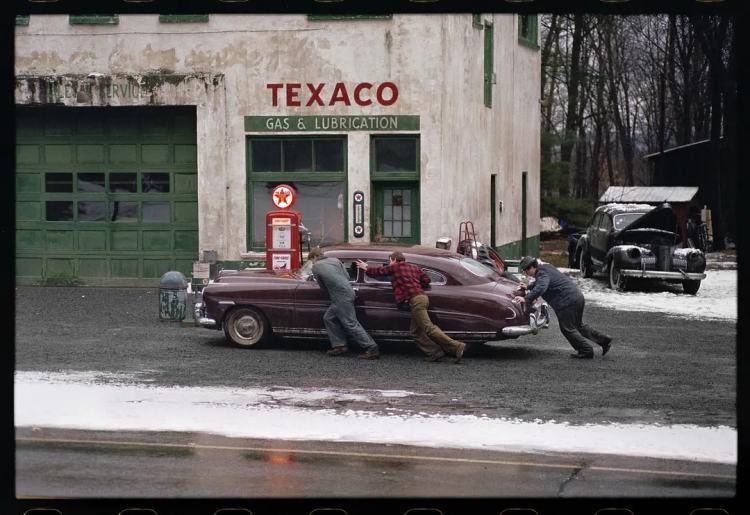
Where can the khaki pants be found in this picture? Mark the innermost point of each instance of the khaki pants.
(430, 338)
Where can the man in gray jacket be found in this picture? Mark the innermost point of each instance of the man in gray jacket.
(340, 319)
(562, 293)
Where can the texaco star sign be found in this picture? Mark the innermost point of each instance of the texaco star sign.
(283, 196)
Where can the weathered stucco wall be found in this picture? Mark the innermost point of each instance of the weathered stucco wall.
(223, 66)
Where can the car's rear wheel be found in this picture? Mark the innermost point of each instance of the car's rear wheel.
(691, 287)
(616, 279)
(584, 264)
(246, 327)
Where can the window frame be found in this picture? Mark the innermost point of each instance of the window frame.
(93, 19)
(405, 175)
(531, 40)
(183, 18)
(489, 62)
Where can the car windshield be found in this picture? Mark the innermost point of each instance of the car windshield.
(623, 220)
(477, 268)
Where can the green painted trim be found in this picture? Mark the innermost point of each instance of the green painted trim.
(93, 19)
(513, 250)
(327, 123)
(493, 210)
(348, 17)
(476, 21)
(532, 40)
(22, 20)
(489, 62)
(524, 205)
(183, 18)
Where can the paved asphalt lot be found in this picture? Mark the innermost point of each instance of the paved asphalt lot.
(660, 370)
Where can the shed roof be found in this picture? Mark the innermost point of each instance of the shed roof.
(648, 194)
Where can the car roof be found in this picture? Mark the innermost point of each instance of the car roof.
(417, 250)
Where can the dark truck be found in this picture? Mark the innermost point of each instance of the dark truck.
(636, 242)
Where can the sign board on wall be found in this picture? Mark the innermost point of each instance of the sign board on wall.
(359, 214)
(281, 262)
(331, 123)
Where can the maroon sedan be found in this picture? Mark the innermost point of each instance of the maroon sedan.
(468, 300)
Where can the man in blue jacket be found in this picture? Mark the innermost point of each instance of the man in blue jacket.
(562, 293)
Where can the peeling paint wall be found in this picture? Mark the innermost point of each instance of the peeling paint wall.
(222, 67)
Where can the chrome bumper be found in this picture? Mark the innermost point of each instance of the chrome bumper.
(200, 319)
(539, 319)
(658, 274)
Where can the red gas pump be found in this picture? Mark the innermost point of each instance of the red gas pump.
(283, 246)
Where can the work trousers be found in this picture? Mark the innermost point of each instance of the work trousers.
(340, 320)
(429, 337)
(579, 334)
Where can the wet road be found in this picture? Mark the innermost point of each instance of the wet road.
(147, 464)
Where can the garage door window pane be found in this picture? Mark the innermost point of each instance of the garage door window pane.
(321, 205)
(60, 211)
(92, 211)
(396, 155)
(329, 155)
(156, 212)
(124, 211)
(91, 182)
(155, 182)
(266, 155)
(123, 182)
(298, 156)
(58, 183)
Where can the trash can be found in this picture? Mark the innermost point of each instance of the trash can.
(172, 296)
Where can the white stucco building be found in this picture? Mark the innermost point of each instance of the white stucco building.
(145, 139)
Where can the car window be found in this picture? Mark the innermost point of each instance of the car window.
(351, 268)
(625, 219)
(378, 278)
(478, 269)
(436, 278)
(605, 224)
(595, 221)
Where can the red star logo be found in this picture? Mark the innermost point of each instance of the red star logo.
(281, 197)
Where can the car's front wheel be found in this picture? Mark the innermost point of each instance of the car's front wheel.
(246, 327)
(691, 287)
(616, 279)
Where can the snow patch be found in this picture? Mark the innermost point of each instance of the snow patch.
(56, 400)
(716, 299)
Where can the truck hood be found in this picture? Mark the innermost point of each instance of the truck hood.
(661, 219)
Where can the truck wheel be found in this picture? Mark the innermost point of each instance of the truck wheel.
(584, 264)
(246, 327)
(691, 287)
(616, 280)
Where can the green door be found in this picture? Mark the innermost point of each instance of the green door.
(105, 195)
(395, 212)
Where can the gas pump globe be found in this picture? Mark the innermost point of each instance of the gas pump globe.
(283, 242)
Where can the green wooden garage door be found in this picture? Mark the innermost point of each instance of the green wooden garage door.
(105, 195)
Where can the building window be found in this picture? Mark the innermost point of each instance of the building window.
(489, 63)
(395, 154)
(528, 30)
(93, 19)
(348, 17)
(476, 21)
(315, 167)
(183, 18)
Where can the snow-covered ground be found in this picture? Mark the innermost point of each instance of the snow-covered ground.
(716, 299)
(89, 400)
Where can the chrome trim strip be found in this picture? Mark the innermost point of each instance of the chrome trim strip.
(227, 302)
(656, 274)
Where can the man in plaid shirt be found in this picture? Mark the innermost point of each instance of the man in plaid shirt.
(408, 281)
